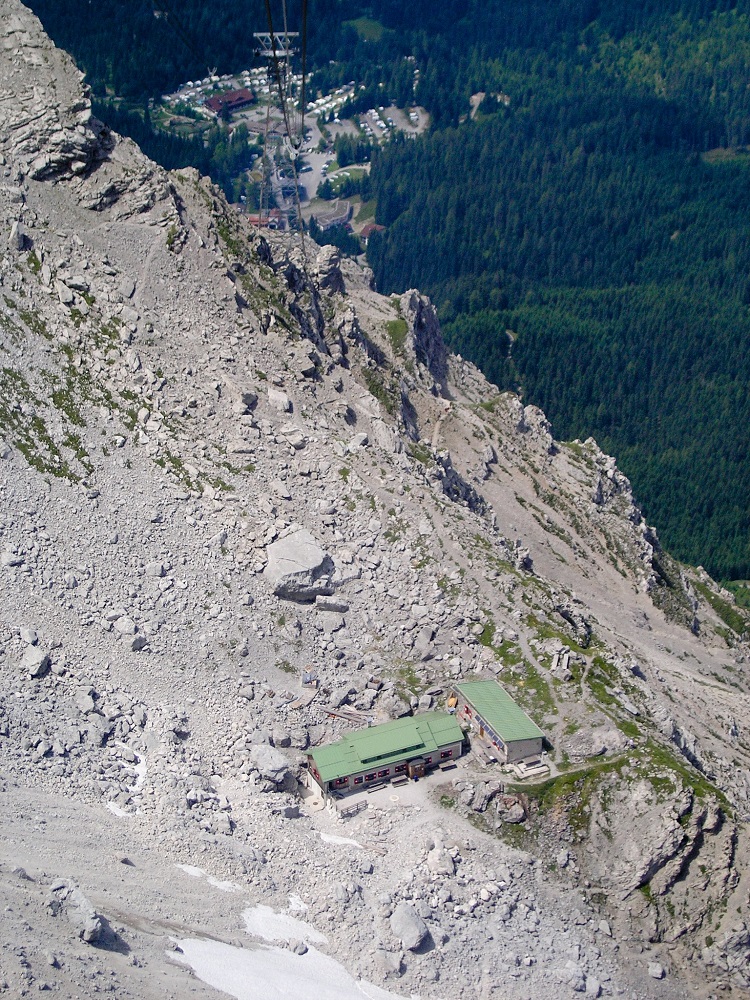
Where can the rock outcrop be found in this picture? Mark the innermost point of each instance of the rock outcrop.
(424, 340)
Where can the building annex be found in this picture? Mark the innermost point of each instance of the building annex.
(491, 715)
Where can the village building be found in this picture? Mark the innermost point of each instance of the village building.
(408, 747)
(494, 718)
(273, 218)
(231, 101)
(338, 215)
(370, 228)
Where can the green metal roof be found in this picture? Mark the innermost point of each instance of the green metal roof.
(379, 746)
(499, 711)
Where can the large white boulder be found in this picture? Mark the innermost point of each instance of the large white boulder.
(408, 927)
(269, 763)
(298, 568)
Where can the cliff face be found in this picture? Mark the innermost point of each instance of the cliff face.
(225, 460)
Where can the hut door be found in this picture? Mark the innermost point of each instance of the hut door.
(417, 768)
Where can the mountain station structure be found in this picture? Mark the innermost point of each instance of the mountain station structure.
(408, 747)
(493, 717)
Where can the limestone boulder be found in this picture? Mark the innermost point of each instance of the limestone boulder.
(35, 661)
(298, 568)
(408, 927)
(270, 764)
(440, 862)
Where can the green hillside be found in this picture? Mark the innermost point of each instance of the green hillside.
(584, 218)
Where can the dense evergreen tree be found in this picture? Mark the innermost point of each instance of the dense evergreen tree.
(586, 219)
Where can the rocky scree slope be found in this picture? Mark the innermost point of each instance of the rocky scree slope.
(225, 460)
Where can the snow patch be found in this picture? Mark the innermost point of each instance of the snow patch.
(267, 924)
(225, 886)
(266, 973)
(331, 838)
(191, 870)
(117, 810)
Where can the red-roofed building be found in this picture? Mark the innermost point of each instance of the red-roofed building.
(272, 219)
(371, 227)
(233, 100)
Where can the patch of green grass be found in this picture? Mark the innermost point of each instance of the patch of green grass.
(669, 595)
(515, 835)
(451, 589)
(107, 334)
(367, 210)
(229, 235)
(397, 330)
(532, 691)
(600, 677)
(546, 631)
(740, 590)
(729, 614)
(368, 29)
(63, 400)
(508, 652)
(220, 484)
(28, 432)
(377, 387)
(629, 727)
(395, 531)
(74, 442)
(420, 453)
(35, 265)
(487, 635)
(12, 329)
(408, 681)
(35, 323)
(579, 451)
(660, 756)
(177, 466)
(572, 792)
